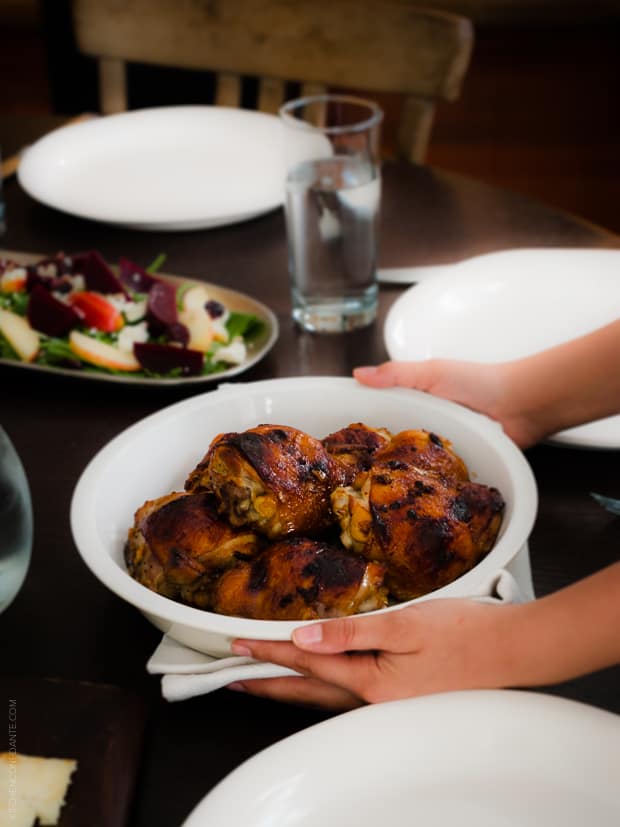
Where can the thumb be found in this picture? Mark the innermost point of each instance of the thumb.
(391, 631)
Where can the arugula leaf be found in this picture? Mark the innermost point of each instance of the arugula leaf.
(16, 302)
(152, 374)
(6, 349)
(211, 366)
(244, 324)
(54, 351)
(181, 291)
(157, 263)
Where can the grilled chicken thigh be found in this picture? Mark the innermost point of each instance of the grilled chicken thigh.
(416, 512)
(424, 450)
(272, 478)
(178, 545)
(300, 579)
(355, 445)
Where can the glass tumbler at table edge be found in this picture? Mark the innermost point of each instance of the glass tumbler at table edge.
(333, 194)
(15, 522)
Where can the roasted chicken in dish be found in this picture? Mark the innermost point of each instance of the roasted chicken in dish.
(274, 479)
(178, 545)
(255, 532)
(300, 579)
(416, 512)
(355, 445)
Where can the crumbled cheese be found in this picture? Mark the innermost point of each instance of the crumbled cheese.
(117, 300)
(234, 353)
(12, 276)
(76, 285)
(14, 273)
(133, 311)
(131, 334)
(77, 281)
(218, 326)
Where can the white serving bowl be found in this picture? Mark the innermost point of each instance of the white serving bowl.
(155, 456)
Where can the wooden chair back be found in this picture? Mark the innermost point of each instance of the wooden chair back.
(371, 46)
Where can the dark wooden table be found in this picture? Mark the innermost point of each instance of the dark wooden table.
(65, 625)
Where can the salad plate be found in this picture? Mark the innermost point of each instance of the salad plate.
(480, 758)
(507, 305)
(164, 168)
(254, 317)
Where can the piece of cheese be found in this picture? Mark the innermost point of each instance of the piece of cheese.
(32, 787)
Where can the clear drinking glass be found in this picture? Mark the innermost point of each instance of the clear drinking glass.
(333, 194)
(15, 522)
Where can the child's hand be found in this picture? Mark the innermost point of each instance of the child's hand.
(433, 646)
(485, 388)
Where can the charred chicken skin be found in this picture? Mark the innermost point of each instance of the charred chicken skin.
(178, 545)
(274, 479)
(424, 450)
(301, 579)
(426, 522)
(354, 447)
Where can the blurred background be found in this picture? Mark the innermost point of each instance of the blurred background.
(538, 114)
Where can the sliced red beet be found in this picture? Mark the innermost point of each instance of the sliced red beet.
(48, 315)
(164, 358)
(178, 332)
(161, 307)
(135, 277)
(97, 275)
(46, 271)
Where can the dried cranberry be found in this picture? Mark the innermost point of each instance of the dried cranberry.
(214, 309)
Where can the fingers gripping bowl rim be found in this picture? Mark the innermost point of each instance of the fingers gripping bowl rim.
(154, 456)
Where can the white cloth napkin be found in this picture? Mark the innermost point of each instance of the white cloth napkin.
(187, 673)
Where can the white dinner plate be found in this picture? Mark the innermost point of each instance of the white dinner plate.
(168, 168)
(476, 759)
(510, 304)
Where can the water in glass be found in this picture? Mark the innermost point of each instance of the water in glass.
(332, 212)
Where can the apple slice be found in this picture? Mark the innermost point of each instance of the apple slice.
(22, 338)
(195, 297)
(198, 324)
(101, 353)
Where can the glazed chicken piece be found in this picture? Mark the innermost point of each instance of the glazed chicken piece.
(427, 526)
(424, 450)
(355, 445)
(178, 545)
(272, 478)
(301, 579)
